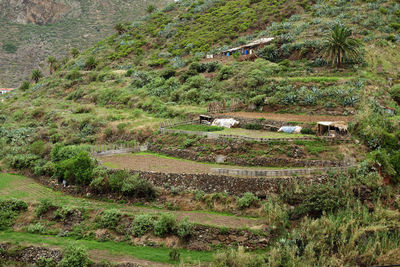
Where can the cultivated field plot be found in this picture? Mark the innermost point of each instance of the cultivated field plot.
(160, 163)
(288, 117)
(27, 189)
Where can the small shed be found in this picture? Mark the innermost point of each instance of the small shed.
(205, 119)
(332, 128)
(248, 49)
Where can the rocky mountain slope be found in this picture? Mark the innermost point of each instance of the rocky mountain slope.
(32, 30)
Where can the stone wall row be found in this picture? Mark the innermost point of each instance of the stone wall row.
(211, 183)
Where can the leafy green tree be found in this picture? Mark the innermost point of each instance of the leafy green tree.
(340, 45)
(36, 75)
(75, 52)
(52, 64)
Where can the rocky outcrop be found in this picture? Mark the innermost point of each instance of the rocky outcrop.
(39, 12)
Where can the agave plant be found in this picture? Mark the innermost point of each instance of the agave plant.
(339, 45)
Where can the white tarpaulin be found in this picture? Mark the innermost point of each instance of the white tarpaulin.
(227, 123)
(290, 129)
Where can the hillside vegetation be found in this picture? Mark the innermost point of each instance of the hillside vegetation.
(155, 69)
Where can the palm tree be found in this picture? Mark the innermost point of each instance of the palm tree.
(36, 75)
(52, 64)
(339, 45)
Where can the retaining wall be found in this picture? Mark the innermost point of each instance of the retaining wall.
(211, 183)
(274, 173)
(256, 161)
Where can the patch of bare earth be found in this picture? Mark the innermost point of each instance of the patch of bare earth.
(154, 163)
(100, 255)
(288, 117)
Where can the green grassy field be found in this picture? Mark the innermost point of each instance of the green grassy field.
(107, 247)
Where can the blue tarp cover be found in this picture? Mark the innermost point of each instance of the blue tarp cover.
(287, 129)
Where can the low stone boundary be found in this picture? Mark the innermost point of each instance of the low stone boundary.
(211, 183)
(107, 150)
(256, 161)
(274, 173)
(214, 135)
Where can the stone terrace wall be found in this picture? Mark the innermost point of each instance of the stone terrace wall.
(274, 173)
(210, 183)
(256, 161)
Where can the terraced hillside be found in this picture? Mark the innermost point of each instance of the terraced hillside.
(276, 199)
(34, 30)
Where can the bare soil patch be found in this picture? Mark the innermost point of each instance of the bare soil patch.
(288, 117)
(154, 163)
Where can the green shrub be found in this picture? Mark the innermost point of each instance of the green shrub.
(395, 93)
(9, 210)
(61, 152)
(44, 206)
(25, 86)
(238, 258)
(174, 255)
(10, 47)
(185, 229)
(248, 199)
(21, 161)
(45, 262)
(38, 148)
(75, 255)
(307, 131)
(131, 185)
(253, 126)
(90, 63)
(225, 73)
(165, 225)
(110, 218)
(62, 214)
(142, 224)
(77, 170)
(315, 199)
(73, 75)
(36, 228)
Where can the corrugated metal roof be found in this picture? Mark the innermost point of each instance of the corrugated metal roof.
(253, 43)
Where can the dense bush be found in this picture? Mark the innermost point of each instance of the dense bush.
(248, 199)
(76, 170)
(36, 228)
(165, 225)
(131, 185)
(75, 255)
(44, 206)
(185, 229)
(142, 224)
(9, 210)
(61, 152)
(109, 218)
(238, 258)
(395, 93)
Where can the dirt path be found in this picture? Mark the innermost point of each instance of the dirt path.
(24, 188)
(288, 117)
